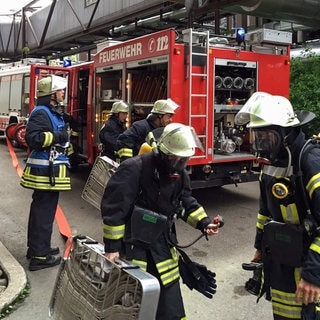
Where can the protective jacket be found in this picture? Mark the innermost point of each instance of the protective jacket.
(109, 134)
(46, 166)
(143, 180)
(291, 209)
(130, 141)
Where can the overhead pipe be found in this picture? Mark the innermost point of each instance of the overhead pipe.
(305, 12)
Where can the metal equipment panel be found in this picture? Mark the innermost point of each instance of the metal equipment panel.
(98, 178)
(90, 287)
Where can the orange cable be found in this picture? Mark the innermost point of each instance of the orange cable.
(60, 217)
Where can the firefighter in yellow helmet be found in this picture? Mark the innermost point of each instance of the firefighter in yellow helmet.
(114, 126)
(129, 142)
(157, 184)
(46, 170)
(287, 231)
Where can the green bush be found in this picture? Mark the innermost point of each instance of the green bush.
(305, 86)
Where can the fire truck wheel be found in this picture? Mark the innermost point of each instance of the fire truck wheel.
(19, 134)
(10, 133)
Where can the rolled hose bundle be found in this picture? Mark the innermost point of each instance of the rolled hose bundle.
(249, 83)
(228, 82)
(218, 81)
(238, 82)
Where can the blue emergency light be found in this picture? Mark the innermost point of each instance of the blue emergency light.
(67, 63)
(240, 35)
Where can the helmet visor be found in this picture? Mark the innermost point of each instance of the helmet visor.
(266, 143)
(176, 164)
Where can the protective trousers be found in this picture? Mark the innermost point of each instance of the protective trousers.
(170, 306)
(283, 283)
(41, 217)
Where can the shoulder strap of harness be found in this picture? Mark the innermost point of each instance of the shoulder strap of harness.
(55, 121)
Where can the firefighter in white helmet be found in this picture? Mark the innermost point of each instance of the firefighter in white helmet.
(287, 233)
(129, 142)
(113, 127)
(156, 184)
(46, 169)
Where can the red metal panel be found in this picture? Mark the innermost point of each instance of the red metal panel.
(156, 44)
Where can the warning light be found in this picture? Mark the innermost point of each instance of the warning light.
(240, 35)
(177, 51)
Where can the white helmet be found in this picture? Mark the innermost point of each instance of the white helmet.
(164, 106)
(51, 84)
(264, 109)
(119, 106)
(178, 140)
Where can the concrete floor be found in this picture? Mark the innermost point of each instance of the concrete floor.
(223, 253)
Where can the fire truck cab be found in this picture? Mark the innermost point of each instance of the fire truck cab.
(209, 78)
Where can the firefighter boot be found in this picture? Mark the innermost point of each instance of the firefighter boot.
(53, 251)
(38, 263)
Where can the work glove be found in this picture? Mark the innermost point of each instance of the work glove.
(61, 137)
(197, 276)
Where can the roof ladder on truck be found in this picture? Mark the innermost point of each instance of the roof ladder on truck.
(198, 37)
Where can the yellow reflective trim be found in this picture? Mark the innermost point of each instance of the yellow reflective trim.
(113, 232)
(48, 139)
(196, 216)
(44, 179)
(315, 246)
(70, 150)
(170, 276)
(284, 297)
(261, 220)
(62, 178)
(297, 275)
(125, 152)
(288, 312)
(313, 184)
(43, 183)
(290, 213)
(141, 264)
(283, 304)
(168, 263)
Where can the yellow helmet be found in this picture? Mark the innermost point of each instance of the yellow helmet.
(51, 84)
(119, 106)
(164, 106)
(264, 109)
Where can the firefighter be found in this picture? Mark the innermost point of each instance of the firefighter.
(114, 126)
(287, 238)
(130, 141)
(156, 185)
(46, 169)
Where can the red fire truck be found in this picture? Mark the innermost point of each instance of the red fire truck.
(18, 90)
(209, 77)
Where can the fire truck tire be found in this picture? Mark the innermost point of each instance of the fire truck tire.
(10, 133)
(20, 134)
